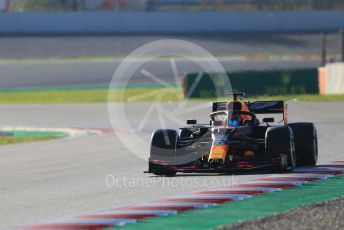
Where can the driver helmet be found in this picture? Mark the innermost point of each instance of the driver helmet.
(237, 119)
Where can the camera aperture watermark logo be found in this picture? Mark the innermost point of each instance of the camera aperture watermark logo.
(146, 91)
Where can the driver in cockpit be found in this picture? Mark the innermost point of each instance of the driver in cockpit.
(234, 116)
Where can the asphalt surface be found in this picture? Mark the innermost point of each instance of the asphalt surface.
(49, 180)
(122, 45)
(53, 179)
(325, 215)
(100, 72)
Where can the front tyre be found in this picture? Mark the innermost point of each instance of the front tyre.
(279, 141)
(163, 152)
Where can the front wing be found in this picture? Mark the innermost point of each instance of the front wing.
(197, 167)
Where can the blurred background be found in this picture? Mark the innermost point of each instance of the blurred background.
(170, 5)
(245, 35)
(58, 58)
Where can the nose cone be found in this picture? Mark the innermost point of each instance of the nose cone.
(218, 154)
(216, 163)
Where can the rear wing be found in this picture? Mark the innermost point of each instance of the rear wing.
(259, 107)
(266, 107)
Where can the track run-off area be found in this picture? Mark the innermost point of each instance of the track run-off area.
(58, 179)
(303, 188)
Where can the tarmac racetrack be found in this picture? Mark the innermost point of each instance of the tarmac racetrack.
(100, 72)
(43, 181)
(48, 180)
(245, 52)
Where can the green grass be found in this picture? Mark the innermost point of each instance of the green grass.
(20, 136)
(248, 209)
(121, 57)
(61, 59)
(13, 140)
(90, 96)
(126, 95)
(53, 96)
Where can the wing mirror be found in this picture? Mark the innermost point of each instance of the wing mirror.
(268, 119)
(191, 122)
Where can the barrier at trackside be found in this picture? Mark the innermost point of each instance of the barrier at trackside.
(273, 82)
(331, 79)
(168, 22)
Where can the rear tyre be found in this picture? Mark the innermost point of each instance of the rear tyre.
(279, 141)
(163, 152)
(306, 143)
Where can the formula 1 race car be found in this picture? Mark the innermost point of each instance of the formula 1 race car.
(235, 139)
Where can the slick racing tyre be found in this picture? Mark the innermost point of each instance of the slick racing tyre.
(163, 149)
(279, 141)
(306, 143)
